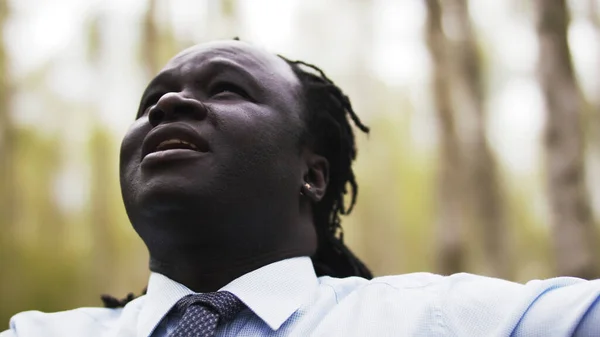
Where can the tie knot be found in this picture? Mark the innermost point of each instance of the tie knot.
(224, 303)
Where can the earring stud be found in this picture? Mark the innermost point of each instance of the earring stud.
(306, 188)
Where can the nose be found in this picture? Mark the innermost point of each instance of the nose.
(173, 106)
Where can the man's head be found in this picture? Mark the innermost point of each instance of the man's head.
(216, 166)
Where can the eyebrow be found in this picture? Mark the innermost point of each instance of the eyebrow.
(219, 64)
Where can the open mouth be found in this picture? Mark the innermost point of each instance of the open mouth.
(174, 143)
(174, 136)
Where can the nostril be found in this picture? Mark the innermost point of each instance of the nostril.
(173, 106)
(155, 116)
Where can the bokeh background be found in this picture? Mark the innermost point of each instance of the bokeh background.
(483, 155)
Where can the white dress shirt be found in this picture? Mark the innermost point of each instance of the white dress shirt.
(287, 299)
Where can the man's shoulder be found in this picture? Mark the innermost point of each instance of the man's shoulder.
(400, 281)
(75, 321)
(418, 284)
(403, 304)
(383, 285)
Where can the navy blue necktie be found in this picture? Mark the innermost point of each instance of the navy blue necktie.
(202, 313)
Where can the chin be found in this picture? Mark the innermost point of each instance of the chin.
(162, 213)
(172, 194)
(155, 195)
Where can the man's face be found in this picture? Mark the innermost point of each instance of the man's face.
(218, 126)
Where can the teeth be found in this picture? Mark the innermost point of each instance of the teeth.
(171, 142)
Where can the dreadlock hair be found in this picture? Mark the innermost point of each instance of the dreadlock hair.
(327, 111)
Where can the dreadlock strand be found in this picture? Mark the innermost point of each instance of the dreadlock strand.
(329, 110)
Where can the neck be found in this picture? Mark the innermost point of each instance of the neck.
(205, 260)
(202, 275)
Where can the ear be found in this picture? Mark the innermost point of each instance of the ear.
(316, 176)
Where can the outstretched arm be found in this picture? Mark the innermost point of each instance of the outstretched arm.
(564, 306)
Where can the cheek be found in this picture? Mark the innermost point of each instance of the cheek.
(260, 129)
(263, 149)
(131, 146)
(130, 158)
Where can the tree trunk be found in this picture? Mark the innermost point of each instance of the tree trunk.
(7, 142)
(101, 214)
(571, 216)
(591, 116)
(450, 231)
(150, 40)
(105, 261)
(486, 198)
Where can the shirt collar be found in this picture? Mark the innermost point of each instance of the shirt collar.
(273, 292)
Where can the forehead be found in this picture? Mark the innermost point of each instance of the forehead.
(256, 61)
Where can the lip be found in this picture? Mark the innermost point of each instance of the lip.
(176, 130)
(170, 156)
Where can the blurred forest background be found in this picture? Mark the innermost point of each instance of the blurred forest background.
(483, 155)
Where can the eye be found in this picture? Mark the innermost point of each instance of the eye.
(222, 89)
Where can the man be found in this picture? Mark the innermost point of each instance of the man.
(234, 175)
